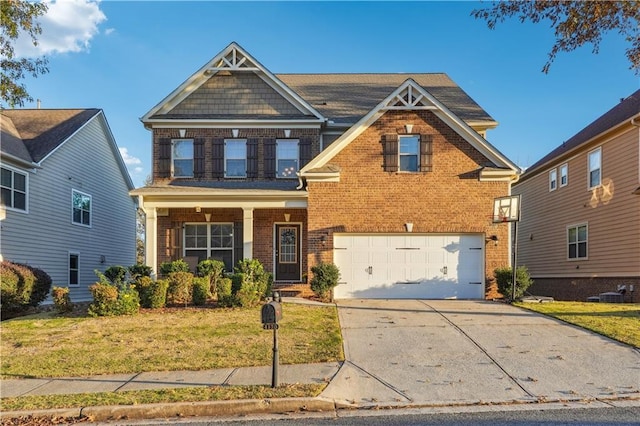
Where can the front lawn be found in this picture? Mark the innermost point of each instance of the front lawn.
(619, 321)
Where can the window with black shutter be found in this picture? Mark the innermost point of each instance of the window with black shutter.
(407, 153)
(252, 158)
(269, 158)
(164, 158)
(426, 153)
(198, 158)
(305, 151)
(390, 152)
(217, 160)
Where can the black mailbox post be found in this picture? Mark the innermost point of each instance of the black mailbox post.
(271, 314)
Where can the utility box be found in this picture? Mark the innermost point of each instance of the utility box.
(271, 314)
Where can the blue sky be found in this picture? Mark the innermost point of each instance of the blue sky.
(124, 57)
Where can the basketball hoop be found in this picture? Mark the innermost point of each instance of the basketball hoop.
(506, 209)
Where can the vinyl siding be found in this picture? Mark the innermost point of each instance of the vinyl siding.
(44, 237)
(611, 212)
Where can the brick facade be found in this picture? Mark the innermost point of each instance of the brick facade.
(578, 289)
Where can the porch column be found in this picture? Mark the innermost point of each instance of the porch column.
(247, 232)
(151, 239)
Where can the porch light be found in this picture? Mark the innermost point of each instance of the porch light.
(198, 209)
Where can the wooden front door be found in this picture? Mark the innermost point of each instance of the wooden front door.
(287, 248)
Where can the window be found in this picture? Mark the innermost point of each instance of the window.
(409, 153)
(553, 180)
(74, 268)
(210, 241)
(81, 210)
(595, 170)
(235, 154)
(564, 175)
(14, 189)
(577, 238)
(286, 158)
(182, 157)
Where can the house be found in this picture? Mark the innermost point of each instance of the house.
(579, 234)
(65, 207)
(389, 176)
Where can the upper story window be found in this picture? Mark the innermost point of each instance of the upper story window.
(564, 175)
(13, 192)
(287, 158)
(595, 168)
(235, 157)
(81, 208)
(409, 153)
(553, 180)
(577, 240)
(182, 157)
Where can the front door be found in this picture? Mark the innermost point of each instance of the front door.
(287, 251)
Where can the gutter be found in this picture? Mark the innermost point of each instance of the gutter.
(20, 161)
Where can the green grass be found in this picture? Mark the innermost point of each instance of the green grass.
(619, 321)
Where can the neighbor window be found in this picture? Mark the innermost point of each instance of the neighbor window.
(14, 189)
(182, 157)
(564, 175)
(287, 158)
(553, 180)
(595, 168)
(210, 241)
(235, 157)
(81, 210)
(409, 153)
(577, 239)
(74, 268)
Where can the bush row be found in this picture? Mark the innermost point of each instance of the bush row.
(21, 287)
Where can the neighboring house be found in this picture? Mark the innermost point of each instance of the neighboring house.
(386, 175)
(65, 204)
(579, 234)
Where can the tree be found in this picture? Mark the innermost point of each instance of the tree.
(18, 16)
(575, 22)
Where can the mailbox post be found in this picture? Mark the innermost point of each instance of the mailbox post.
(271, 314)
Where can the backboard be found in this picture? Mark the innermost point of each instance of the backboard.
(506, 209)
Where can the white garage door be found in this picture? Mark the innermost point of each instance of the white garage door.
(409, 266)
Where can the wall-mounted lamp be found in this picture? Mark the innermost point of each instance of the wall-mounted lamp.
(287, 217)
(198, 209)
(287, 133)
(408, 226)
(323, 239)
(408, 128)
(235, 132)
(493, 238)
(182, 132)
(103, 259)
(207, 217)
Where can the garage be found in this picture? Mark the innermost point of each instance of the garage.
(409, 266)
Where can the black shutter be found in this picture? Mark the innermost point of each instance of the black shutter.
(269, 158)
(164, 158)
(238, 243)
(390, 152)
(426, 153)
(252, 158)
(305, 151)
(218, 158)
(198, 158)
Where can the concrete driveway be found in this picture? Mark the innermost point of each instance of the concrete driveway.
(441, 352)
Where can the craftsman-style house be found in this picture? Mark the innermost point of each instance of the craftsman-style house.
(389, 176)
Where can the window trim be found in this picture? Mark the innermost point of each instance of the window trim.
(564, 175)
(287, 141)
(209, 247)
(245, 158)
(589, 170)
(13, 190)
(586, 241)
(77, 255)
(553, 179)
(417, 153)
(73, 222)
(173, 159)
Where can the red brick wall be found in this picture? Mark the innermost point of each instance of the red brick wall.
(579, 289)
(450, 199)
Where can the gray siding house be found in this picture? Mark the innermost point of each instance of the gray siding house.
(65, 206)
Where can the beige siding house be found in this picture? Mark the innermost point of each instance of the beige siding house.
(579, 234)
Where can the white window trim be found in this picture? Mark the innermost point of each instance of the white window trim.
(564, 166)
(227, 158)
(578, 225)
(26, 187)
(173, 174)
(209, 248)
(417, 155)
(553, 179)
(297, 142)
(72, 253)
(589, 170)
(90, 209)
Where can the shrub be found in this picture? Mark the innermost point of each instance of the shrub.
(224, 294)
(153, 294)
(179, 265)
(139, 270)
(180, 288)
(200, 290)
(504, 280)
(254, 272)
(325, 278)
(41, 287)
(213, 270)
(105, 299)
(17, 284)
(116, 274)
(8, 288)
(61, 299)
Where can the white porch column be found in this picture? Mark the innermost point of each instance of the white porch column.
(151, 239)
(247, 232)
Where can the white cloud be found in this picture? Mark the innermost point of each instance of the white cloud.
(129, 160)
(68, 26)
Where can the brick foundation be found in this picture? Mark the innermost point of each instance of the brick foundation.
(579, 289)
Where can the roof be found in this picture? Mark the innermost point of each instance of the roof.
(625, 110)
(38, 132)
(346, 98)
